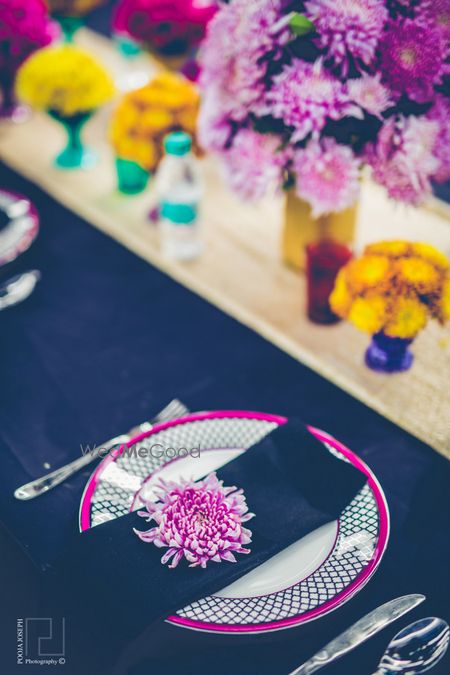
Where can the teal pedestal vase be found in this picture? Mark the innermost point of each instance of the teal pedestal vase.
(131, 177)
(75, 155)
(70, 25)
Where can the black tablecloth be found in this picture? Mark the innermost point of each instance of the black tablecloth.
(120, 339)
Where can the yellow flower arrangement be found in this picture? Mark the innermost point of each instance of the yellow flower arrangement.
(64, 79)
(144, 116)
(393, 288)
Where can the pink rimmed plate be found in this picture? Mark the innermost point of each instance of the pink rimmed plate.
(21, 228)
(305, 581)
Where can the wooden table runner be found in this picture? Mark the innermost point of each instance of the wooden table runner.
(240, 270)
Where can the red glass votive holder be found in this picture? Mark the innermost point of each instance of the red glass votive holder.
(324, 259)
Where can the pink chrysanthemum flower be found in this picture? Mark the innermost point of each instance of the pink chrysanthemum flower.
(402, 159)
(327, 176)
(437, 13)
(232, 55)
(368, 92)
(348, 29)
(305, 96)
(440, 113)
(201, 521)
(253, 165)
(213, 128)
(413, 59)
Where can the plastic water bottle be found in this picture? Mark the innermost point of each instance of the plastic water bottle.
(179, 190)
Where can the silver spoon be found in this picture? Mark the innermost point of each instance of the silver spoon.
(416, 648)
(18, 288)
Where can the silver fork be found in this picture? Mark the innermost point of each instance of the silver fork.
(45, 483)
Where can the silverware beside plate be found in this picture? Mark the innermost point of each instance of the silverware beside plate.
(417, 648)
(35, 488)
(361, 631)
(18, 288)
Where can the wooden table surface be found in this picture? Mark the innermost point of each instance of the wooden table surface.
(241, 271)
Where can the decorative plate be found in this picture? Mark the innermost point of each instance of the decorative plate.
(21, 226)
(305, 581)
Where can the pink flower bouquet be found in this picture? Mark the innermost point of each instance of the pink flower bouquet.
(302, 94)
(168, 27)
(24, 27)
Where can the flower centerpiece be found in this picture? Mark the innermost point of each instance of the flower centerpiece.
(390, 292)
(170, 29)
(69, 84)
(71, 13)
(302, 94)
(24, 27)
(143, 117)
(202, 521)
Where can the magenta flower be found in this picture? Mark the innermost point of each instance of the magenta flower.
(436, 13)
(402, 159)
(213, 127)
(348, 29)
(24, 27)
(368, 92)
(171, 26)
(413, 59)
(253, 165)
(201, 521)
(440, 114)
(305, 96)
(327, 176)
(231, 57)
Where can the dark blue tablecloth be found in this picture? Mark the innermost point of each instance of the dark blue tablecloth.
(105, 341)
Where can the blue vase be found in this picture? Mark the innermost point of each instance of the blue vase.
(389, 354)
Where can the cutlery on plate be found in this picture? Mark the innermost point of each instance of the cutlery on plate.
(416, 648)
(361, 631)
(45, 483)
(18, 288)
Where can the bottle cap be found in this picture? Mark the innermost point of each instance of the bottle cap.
(177, 143)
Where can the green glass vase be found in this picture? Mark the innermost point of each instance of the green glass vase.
(70, 25)
(75, 155)
(131, 177)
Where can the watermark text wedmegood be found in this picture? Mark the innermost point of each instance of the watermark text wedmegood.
(157, 451)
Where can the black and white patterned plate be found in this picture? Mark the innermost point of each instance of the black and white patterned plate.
(303, 582)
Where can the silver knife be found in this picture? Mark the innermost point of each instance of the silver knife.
(361, 631)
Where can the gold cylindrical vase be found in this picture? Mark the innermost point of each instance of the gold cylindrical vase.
(300, 228)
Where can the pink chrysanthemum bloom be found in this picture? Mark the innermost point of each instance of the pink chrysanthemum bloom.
(201, 521)
(305, 96)
(348, 29)
(437, 13)
(368, 92)
(213, 128)
(413, 59)
(253, 165)
(327, 176)
(440, 113)
(231, 57)
(402, 159)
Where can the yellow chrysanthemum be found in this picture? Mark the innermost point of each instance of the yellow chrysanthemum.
(73, 7)
(393, 249)
(370, 271)
(341, 298)
(408, 317)
(431, 254)
(421, 275)
(369, 314)
(445, 302)
(144, 116)
(64, 79)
